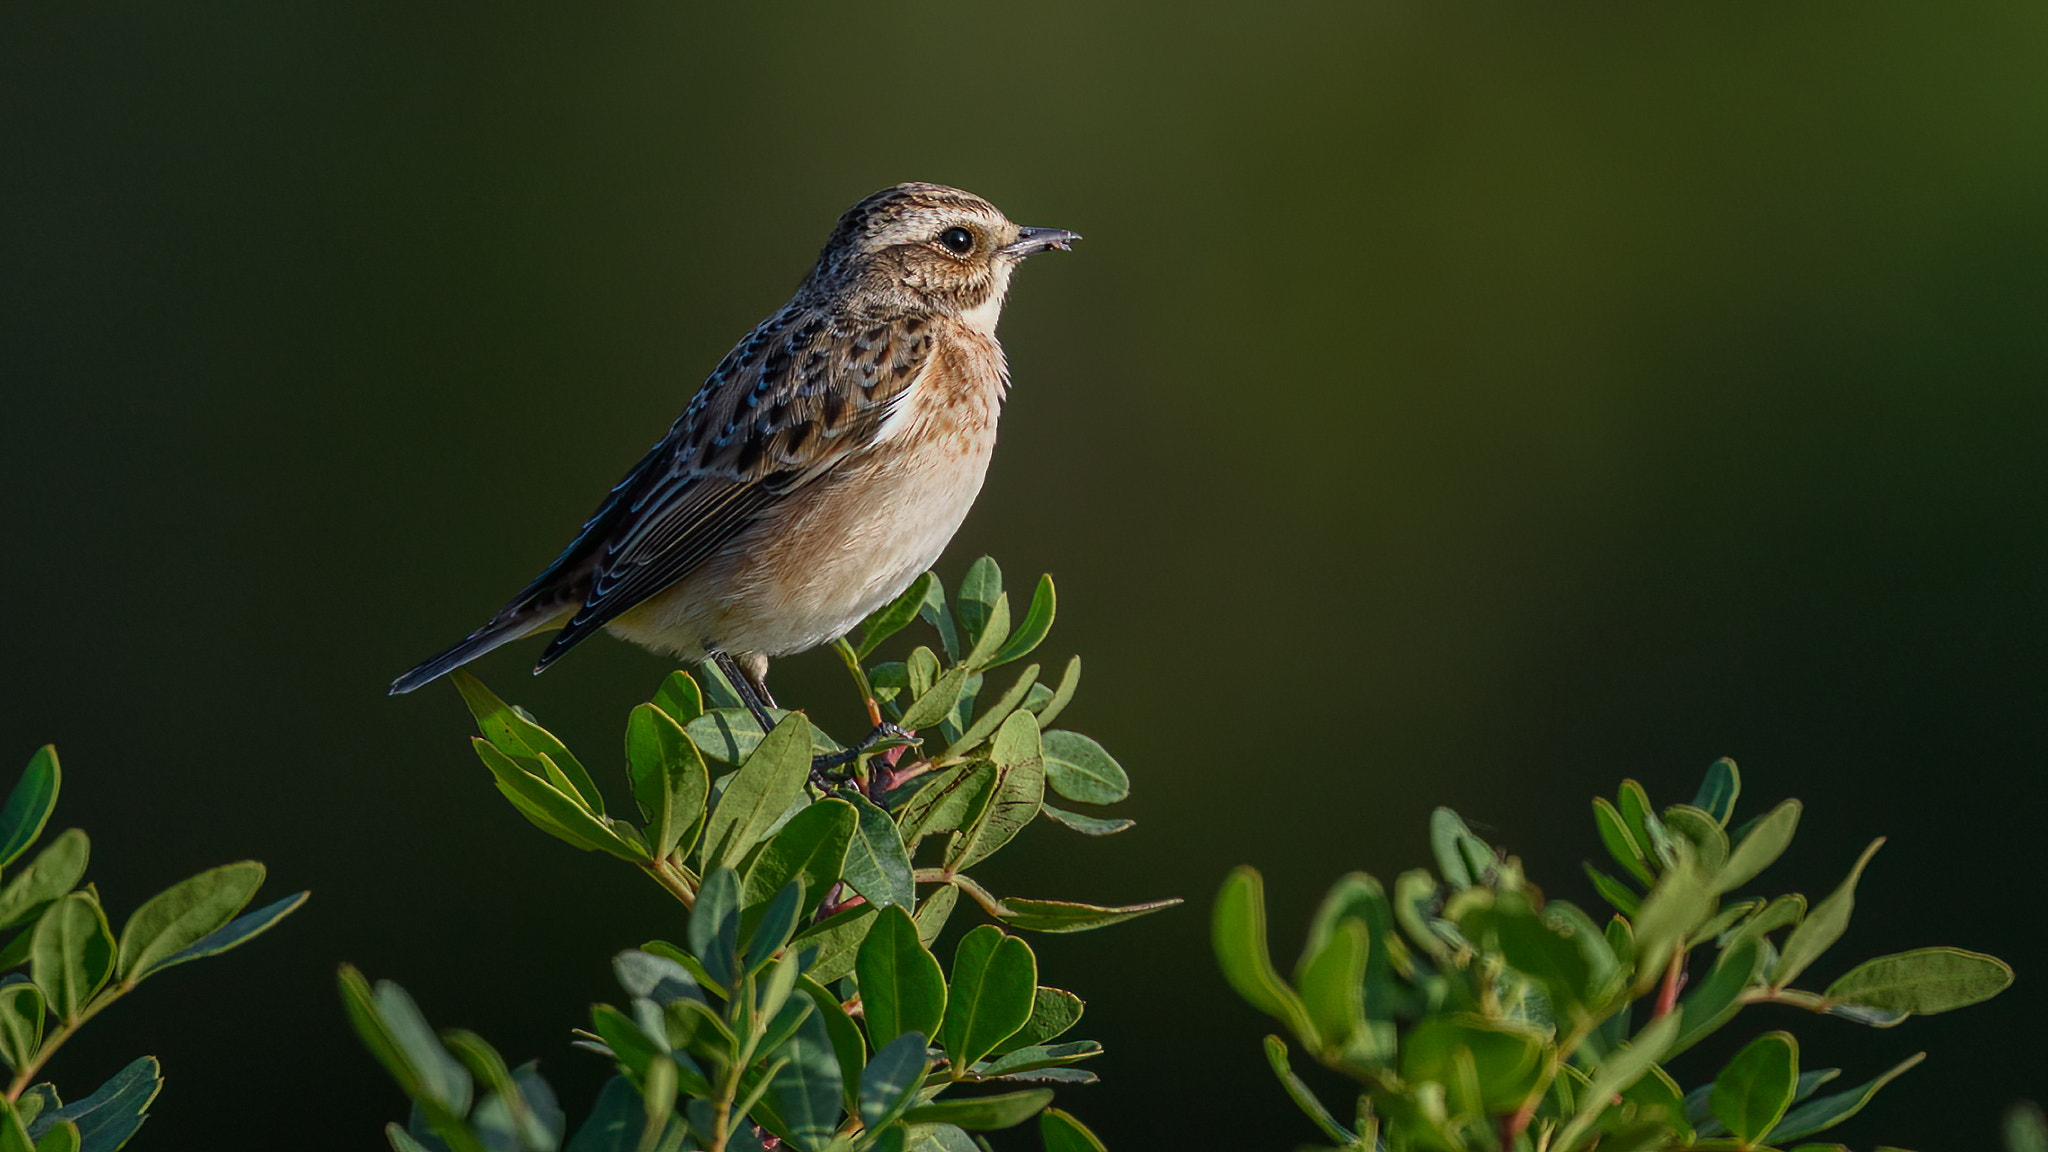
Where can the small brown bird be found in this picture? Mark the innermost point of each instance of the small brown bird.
(821, 468)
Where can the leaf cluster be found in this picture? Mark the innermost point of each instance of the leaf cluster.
(1478, 1015)
(64, 964)
(805, 1007)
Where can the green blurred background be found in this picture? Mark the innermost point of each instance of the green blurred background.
(1451, 403)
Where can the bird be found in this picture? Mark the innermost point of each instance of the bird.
(821, 468)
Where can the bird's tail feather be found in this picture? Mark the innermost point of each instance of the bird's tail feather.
(507, 627)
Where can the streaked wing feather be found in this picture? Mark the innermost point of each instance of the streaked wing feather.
(788, 404)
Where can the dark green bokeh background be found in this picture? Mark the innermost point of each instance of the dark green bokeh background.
(1462, 404)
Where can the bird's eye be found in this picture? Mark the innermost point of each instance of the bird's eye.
(958, 241)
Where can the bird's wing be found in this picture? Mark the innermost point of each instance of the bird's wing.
(792, 400)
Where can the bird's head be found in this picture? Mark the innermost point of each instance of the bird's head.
(926, 249)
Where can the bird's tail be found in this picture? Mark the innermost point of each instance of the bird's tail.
(516, 621)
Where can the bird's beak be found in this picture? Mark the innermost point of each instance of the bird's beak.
(1031, 240)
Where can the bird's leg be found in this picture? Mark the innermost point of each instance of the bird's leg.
(822, 767)
(752, 694)
(751, 683)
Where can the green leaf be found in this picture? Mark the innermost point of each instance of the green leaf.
(837, 940)
(377, 1036)
(679, 698)
(1084, 824)
(849, 1047)
(982, 654)
(1070, 682)
(2026, 1129)
(13, 1136)
(63, 1136)
(1464, 859)
(112, 1113)
(1332, 984)
(1544, 953)
(1718, 791)
(525, 1110)
(546, 806)
(1724, 920)
(56, 869)
(1681, 901)
(1621, 843)
(766, 935)
(184, 914)
(1060, 1132)
(931, 915)
(35, 1100)
(505, 1112)
(1079, 769)
(29, 805)
(806, 1086)
(714, 928)
(756, 795)
(1053, 1012)
(1238, 933)
(235, 933)
(1072, 916)
(936, 703)
(1657, 1096)
(1037, 1057)
(933, 612)
(391, 1025)
(1828, 1111)
(894, 616)
(975, 605)
(921, 671)
(1822, 926)
(650, 976)
(877, 866)
(983, 1113)
(1031, 632)
(21, 1023)
(954, 801)
(1020, 789)
(1358, 898)
(1779, 913)
(629, 1044)
(72, 954)
(811, 846)
(986, 721)
(1707, 838)
(670, 781)
(516, 735)
(1623, 899)
(1303, 1096)
(1753, 1091)
(1768, 837)
(1716, 999)
(1921, 982)
(1620, 1069)
(890, 1081)
(994, 979)
(902, 988)
(730, 735)
(1506, 1059)
(1642, 822)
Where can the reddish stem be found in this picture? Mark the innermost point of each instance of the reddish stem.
(1674, 979)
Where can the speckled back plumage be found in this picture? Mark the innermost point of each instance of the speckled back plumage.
(890, 330)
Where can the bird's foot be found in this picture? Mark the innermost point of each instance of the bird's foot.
(836, 768)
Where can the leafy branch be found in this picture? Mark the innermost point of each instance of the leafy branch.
(1479, 1015)
(77, 968)
(805, 1008)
